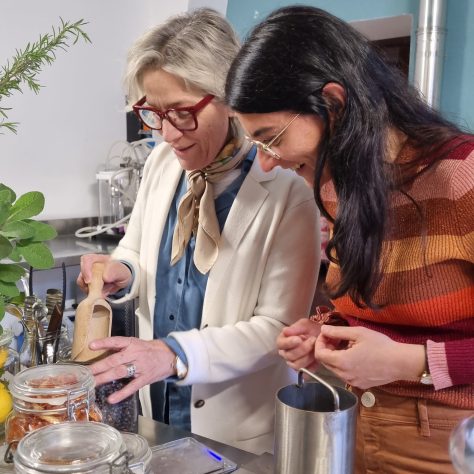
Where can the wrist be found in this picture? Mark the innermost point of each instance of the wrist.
(425, 377)
(179, 368)
(412, 361)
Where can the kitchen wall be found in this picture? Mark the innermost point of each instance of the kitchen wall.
(66, 131)
(457, 99)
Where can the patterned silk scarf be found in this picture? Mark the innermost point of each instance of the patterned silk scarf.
(197, 212)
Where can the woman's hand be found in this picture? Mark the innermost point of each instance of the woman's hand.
(296, 344)
(116, 275)
(371, 358)
(153, 361)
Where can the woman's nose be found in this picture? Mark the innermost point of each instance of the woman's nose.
(169, 132)
(267, 162)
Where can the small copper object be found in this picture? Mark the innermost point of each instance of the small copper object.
(325, 315)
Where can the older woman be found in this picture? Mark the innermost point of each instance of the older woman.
(221, 254)
(396, 182)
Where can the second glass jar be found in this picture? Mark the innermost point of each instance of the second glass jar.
(50, 394)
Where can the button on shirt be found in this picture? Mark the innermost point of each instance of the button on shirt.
(179, 300)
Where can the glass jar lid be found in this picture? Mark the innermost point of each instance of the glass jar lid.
(72, 447)
(139, 452)
(54, 384)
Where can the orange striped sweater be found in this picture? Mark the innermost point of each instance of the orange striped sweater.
(427, 287)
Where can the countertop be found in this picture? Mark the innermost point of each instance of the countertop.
(68, 249)
(159, 433)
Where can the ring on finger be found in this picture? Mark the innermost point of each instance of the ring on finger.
(131, 370)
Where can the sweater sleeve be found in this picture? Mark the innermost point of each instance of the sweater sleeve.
(451, 363)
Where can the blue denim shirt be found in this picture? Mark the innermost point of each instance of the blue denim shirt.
(179, 299)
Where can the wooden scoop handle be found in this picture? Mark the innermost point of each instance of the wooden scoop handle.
(97, 283)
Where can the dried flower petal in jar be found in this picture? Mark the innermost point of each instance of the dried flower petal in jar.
(50, 394)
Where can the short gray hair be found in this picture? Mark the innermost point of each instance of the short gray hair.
(197, 46)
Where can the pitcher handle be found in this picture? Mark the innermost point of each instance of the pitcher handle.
(321, 381)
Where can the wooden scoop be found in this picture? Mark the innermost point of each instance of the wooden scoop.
(93, 319)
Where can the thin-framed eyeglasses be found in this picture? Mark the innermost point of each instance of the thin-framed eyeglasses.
(266, 147)
(182, 118)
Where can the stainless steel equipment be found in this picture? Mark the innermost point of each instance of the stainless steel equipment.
(314, 428)
(118, 187)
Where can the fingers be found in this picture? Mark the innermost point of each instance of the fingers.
(86, 265)
(300, 356)
(291, 336)
(285, 343)
(340, 332)
(113, 372)
(128, 390)
(116, 275)
(302, 326)
(145, 361)
(114, 343)
(81, 283)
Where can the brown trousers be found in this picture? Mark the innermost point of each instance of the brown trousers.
(399, 435)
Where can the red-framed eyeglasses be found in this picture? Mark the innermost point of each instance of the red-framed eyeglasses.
(182, 118)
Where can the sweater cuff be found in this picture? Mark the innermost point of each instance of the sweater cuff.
(438, 364)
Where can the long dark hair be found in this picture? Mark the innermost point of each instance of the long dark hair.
(284, 65)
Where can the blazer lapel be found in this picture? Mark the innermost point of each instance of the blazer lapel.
(163, 194)
(245, 208)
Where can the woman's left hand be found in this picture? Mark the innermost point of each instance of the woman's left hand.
(370, 359)
(152, 361)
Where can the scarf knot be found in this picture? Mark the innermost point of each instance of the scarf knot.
(197, 212)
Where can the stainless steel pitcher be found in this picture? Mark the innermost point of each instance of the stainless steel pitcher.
(314, 428)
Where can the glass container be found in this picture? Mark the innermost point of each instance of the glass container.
(83, 447)
(50, 394)
(461, 446)
(122, 415)
(139, 453)
(9, 366)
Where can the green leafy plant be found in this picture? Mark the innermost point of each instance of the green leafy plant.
(21, 237)
(27, 63)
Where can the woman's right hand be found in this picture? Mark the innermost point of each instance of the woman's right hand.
(296, 344)
(116, 275)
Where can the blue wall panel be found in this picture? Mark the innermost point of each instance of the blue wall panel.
(457, 95)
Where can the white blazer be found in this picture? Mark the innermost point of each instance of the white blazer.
(263, 279)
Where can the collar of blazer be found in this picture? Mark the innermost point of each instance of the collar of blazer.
(250, 198)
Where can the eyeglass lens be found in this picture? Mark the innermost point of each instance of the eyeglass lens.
(181, 119)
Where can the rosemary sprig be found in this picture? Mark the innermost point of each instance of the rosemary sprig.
(26, 64)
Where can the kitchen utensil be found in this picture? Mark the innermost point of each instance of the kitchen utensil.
(314, 428)
(93, 319)
(189, 456)
(50, 341)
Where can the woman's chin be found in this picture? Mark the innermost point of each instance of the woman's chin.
(306, 173)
